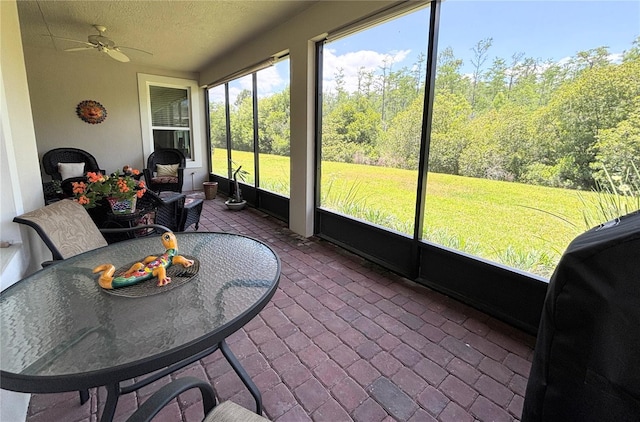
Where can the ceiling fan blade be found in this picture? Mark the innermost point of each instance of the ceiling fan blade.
(78, 48)
(117, 55)
(72, 40)
(137, 49)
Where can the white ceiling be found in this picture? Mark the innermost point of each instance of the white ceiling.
(182, 35)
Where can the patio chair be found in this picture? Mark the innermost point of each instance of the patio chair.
(68, 165)
(73, 157)
(226, 411)
(68, 230)
(165, 170)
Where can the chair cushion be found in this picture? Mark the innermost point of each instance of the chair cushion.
(164, 179)
(167, 170)
(69, 170)
(67, 226)
(228, 411)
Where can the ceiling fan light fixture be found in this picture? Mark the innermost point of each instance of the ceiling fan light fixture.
(103, 44)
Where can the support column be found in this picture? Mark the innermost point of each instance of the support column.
(301, 207)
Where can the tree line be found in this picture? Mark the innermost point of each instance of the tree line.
(571, 124)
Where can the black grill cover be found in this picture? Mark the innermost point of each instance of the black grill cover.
(586, 364)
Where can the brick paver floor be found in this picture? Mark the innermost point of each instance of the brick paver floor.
(343, 339)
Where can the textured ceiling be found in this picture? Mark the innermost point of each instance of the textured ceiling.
(182, 35)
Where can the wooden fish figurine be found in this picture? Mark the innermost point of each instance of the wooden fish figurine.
(150, 267)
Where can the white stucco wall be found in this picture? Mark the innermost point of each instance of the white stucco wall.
(21, 189)
(58, 81)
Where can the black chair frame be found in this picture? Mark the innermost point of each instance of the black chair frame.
(51, 158)
(165, 156)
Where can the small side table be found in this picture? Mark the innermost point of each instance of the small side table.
(191, 213)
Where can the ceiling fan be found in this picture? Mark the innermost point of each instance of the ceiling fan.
(102, 44)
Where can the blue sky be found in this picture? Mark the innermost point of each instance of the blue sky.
(552, 30)
(547, 30)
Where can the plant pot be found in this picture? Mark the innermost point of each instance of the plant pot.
(235, 205)
(123, 206)
(210, 190)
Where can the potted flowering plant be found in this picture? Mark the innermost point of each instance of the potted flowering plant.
(120, 190)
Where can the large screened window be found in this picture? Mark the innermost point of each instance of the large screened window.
(274, 127)
(373, 86)
(529, 136)
(250, 126)
(242, 127)
(218, 131)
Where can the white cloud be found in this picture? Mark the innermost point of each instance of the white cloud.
(216, 95)
(268, 80)
(352, 62)
(615, 58)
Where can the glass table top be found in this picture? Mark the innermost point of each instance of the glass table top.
(60, 323)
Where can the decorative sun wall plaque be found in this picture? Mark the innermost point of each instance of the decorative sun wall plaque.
(91, 111)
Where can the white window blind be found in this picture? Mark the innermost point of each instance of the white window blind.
(169, 106)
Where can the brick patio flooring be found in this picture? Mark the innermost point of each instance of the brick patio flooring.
(343, 339)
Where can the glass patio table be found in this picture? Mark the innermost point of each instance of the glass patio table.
(60, 331)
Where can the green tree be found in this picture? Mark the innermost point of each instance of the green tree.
(550, 79)
(525, 88)
(274, 123)
(617, 149)
(496, 77)
(448, 76)
(598, 99)
(589, 59)
(633, 54)
(448, 135)
(400, 92)
(218, 125)
(241, 116)
(350, 130)
(400, 145)
(480, 51)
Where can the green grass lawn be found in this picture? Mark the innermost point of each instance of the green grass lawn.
(523, 226)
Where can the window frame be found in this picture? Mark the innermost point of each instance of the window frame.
(251, 72)
(194, 93)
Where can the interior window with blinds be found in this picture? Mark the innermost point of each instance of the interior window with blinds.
(171, 118)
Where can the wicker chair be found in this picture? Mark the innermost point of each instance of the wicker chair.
(158, 182)
(226, 411)
(52, 158)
